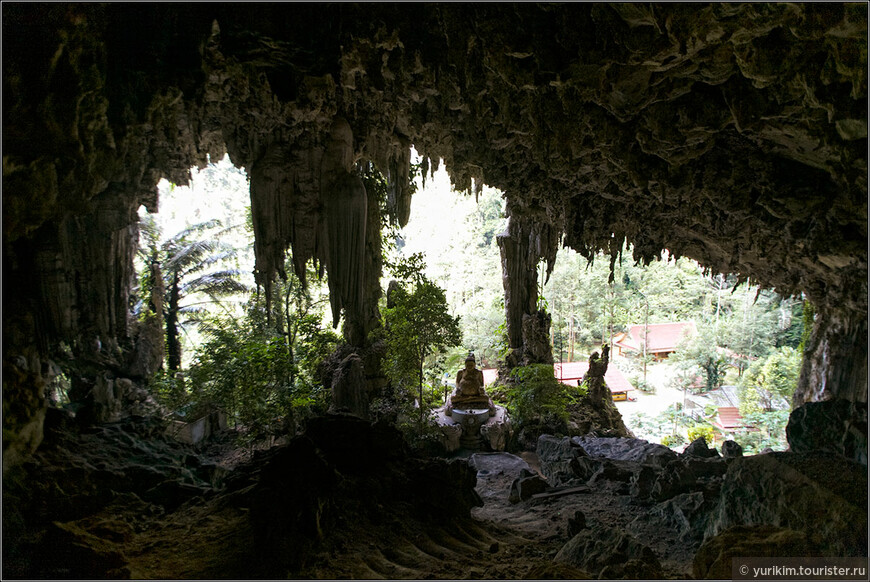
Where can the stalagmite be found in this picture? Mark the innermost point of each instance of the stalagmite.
(522, 246)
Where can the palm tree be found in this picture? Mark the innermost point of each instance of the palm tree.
(192, 263)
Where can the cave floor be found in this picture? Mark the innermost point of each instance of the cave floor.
(500, 540)
(209, 534)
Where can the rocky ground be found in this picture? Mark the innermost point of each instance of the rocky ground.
(348, 500)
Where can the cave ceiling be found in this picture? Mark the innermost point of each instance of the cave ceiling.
(734, 134)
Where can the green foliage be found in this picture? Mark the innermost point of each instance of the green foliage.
(669, 421)
(168, 389)
(769, 433)
(700, 355)
(701, 430)
(637, 382)
(770, 383)
(651, 427)
(673, 440)
(195, 269)
(263, 367)
(464, 261)
(417, 324)
(535, 393)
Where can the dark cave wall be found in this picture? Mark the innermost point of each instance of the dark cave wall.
(735, 134)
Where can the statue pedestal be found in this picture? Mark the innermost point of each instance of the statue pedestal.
(471, 419)
(473, 428)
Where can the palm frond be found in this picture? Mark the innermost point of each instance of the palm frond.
(220, 283)
(221, 253)
(183, 257)
(198, 228)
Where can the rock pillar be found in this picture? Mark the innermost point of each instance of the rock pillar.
(523, 244)
(835, 359)
(348, 388)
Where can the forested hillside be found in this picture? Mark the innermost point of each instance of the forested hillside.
(457, 234)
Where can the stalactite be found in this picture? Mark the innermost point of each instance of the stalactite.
(272, 196)
(345, 208)
(399, 197)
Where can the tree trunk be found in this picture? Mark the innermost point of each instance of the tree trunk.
(571, 339)
(173, 344)
(420, 372)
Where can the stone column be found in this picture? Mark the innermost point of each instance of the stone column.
(835, 359)
(522, 245)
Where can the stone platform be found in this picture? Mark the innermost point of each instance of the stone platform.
(458, 430)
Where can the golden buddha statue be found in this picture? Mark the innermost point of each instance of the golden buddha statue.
(469, 389)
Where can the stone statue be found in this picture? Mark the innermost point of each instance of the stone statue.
(469, 389)
(595, 374)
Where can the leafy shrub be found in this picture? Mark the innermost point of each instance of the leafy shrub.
(168, 389)
(255, 375)
(535, 393)
(701, 430)
(639, 383)
(673, 440)
(769, 383)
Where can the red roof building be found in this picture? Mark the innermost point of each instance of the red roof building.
(571, 372)
(729, 419)
(662, 338)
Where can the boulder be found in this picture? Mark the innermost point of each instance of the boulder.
(556, 456)
(625, 449)
(833, 426)
(584, 468)
(525, 486)
(642, 482)
(687, 474)
(731, 450)
(608, 552)
(613, 470)
(699, 448)
(822, 495)
(688, 513)
(498, 463)
(713, 559)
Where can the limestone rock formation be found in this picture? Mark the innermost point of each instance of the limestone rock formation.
(834, 426)
(626, 449)
(349, 388)
(557, 456)
(526, 485)
(787, 489)
(713, 559)
(610, 553)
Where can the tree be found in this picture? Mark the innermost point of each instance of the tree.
(258, 372)
(770, 383)
(700, 355)
(193, 263)
(418, 324)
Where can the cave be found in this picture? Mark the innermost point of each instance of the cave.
(733, 134)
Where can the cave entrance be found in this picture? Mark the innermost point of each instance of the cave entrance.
(200, 240)
(457, 234)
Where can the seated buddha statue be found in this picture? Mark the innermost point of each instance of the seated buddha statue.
(469, 389)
